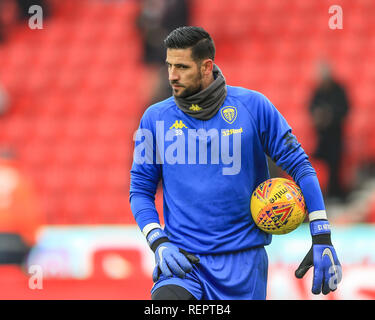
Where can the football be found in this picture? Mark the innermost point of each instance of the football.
(277, 206)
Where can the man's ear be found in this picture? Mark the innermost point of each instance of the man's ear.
(207, 66)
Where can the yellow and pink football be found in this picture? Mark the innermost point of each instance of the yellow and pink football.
(277, 206)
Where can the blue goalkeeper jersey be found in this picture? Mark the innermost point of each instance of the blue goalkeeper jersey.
(209, 169)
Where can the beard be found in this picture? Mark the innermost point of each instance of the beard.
(190, 90)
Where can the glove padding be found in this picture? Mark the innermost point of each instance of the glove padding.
(322, 256)
(327, 268)
(171, 260)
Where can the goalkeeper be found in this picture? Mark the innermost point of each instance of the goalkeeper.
(210, 247)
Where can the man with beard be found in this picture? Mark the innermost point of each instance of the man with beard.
(210, 248)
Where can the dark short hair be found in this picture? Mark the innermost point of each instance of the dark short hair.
(196, 38)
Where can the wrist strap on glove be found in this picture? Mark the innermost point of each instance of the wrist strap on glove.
(320, 232)
(156, 237)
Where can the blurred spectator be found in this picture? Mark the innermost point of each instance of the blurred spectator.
(8, 13)
(328, 107)
(14, 11)
(156, 20)
(20, 215)
(24, 5)
(2, 31)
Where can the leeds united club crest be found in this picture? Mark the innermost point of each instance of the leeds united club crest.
(229, 114)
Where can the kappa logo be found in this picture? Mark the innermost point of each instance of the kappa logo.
(229, 114)
(195, 107)
(178, 125)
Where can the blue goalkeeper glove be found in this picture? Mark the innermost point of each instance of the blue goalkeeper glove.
(322, 255)
(170, 260)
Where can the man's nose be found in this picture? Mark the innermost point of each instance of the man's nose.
(173, 75)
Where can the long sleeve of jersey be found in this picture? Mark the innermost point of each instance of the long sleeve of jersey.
(282, 146)
(145, 175)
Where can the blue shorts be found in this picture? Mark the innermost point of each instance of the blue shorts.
(240, 275)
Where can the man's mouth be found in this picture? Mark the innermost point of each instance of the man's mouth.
(174, 85)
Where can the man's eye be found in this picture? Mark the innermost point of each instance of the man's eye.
(177, 66)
